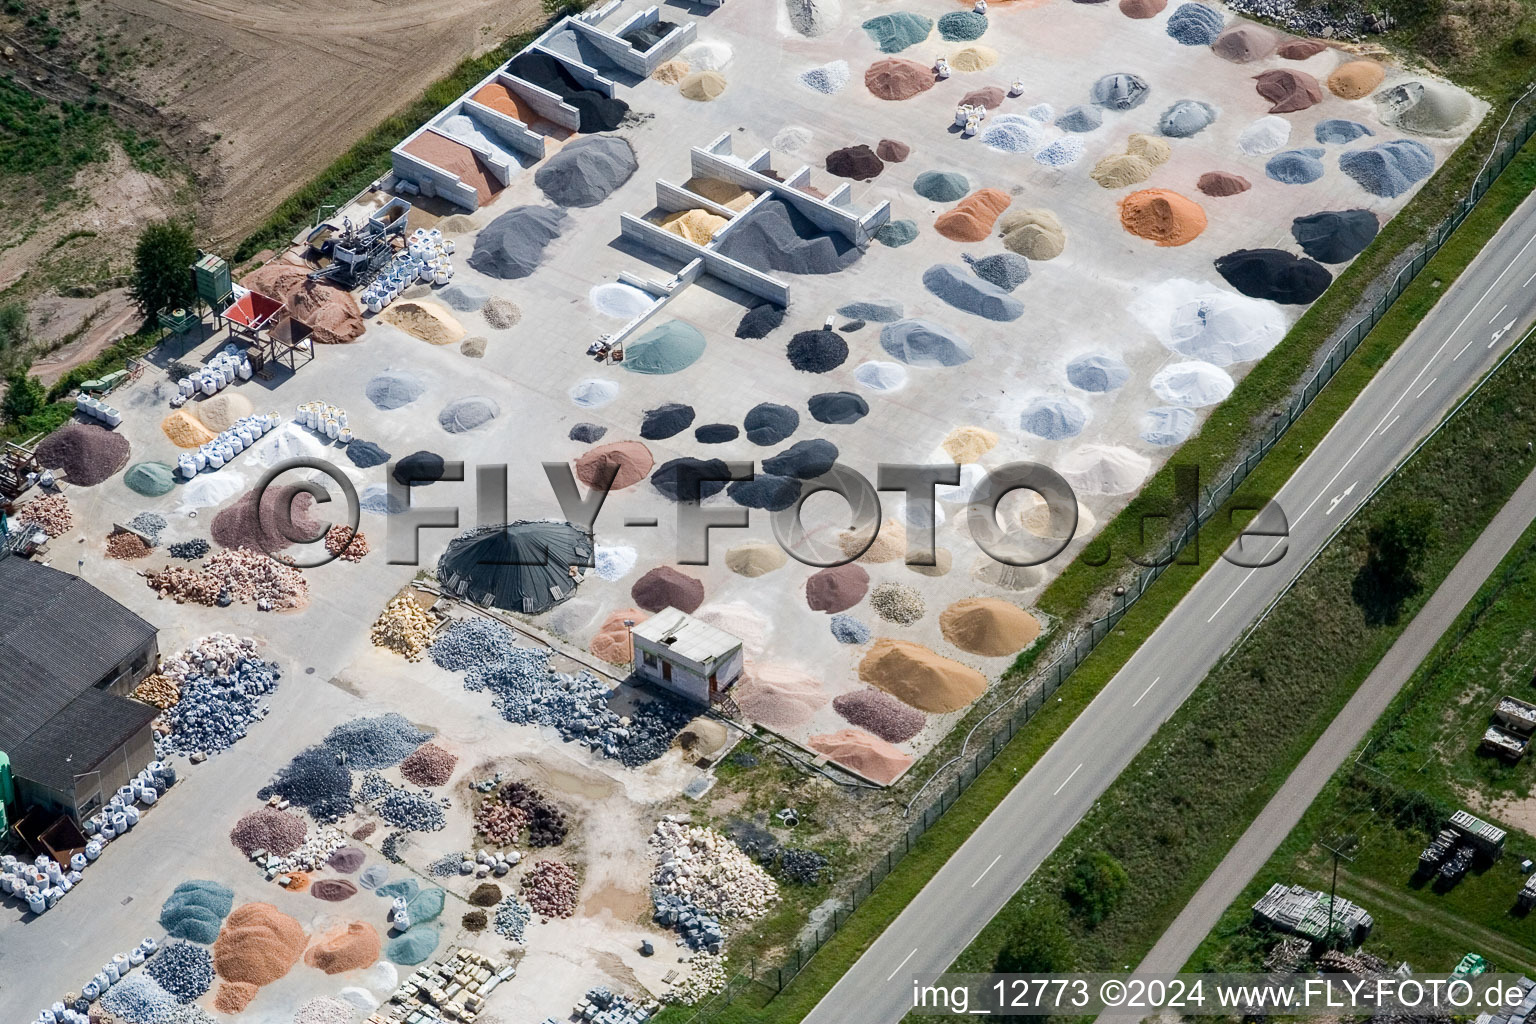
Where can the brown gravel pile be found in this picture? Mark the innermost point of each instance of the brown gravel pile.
(248, 577)
(836, 589)
(547, 823)
(475, 921)
(486, 894)
(346, 860)
(344, 544)
(334, 890)
(50, 513)
(404, 628)
(159, 690)
(234, 996)
(898, 603)
(349, 948)
(331, 311)
(550, 888)
(499, 823)
(665, 587)
(365, 830)
(283, 513)
(125, 545)
(1223, 183)
(429, 765)
(258, 945)
(880, 713)
(268, 829)
(86, 452)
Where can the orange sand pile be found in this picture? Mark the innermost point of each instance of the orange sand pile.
(611, 641)
(632, 458)
(258, 945)
(1288, 90)
(889, 545)
(234, 996)
(348, 948)
(185, 431)
(897, 79)
(1162, 216)
(987, 626)
(498, 97)
(779, 696)
(331, 311)
(862, 753)
(916, 676)
(1356, 79)
(972, 218)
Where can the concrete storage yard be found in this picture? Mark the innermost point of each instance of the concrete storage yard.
(1097, 364)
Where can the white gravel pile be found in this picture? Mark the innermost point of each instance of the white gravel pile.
(710, 871)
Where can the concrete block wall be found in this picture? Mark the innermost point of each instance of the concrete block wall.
(512, 132)
(674, 198)
(667, 46)
(615, 49)
(586, 77)
(544, 103)
(499, 165)
(715, 264)
(431, 179)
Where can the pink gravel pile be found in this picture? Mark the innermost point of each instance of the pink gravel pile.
(880, 713)
(268, 829)
(550, 889)
(430, 765)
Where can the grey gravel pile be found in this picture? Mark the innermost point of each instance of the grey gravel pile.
(464, 297)
(1195, 24)
(853, 325)
(716, 433)
(412, 812)
(585, 172)
(183, 969)
(898, 602)
(447, 866)
(371, 787)
(588, 433)
(963, 291)
(140, 998)
(467, 643)
(512, 246)
(768, 423)
(1336, 131)
(190, 549)
(315, 781)
(776, 236)
(883, 311)
(838, 407)
(390, 848)
(941, 186)
(880, 713)
(896, 233)
(924, 343)
(697, 929)
(690, 479)
(1186, 118)
(803, 459)
(373, 876)
(1296, 166)
(392, 389)
(818, 351)
(216, 709)
(759, 321)
(1120, 91)
(1005, 270)
(803, 867)
(666, 421)
(849, 630)
(150, 524)
(366, 454)
(1079, 118)
(512, 916)
(1097, 373)
(1054, 419)
(377, 742)
(765, 491)
(1388, 169)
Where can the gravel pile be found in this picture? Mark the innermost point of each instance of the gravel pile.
(1079, 118)
(150, 524)
(547, 824)
(1194, 24)
(124, 545)
(86, 453)
(838, 407)
(1274, 274)
(377, 742)
(586, 171)
(49, 513)
(804, 460)
(1295, 166)
(430, 765)
(666, 421)
(849, 630)
(1335, 236)
(705, 868)
(499, 823)
(366, 454)
(471, 642)
(760, 321)
(325, 1010)
(898, 603)
(765, 491)
(924, 343)
(195, 910)
(818, 351)
(189, 549)
(599, 113)
(268, 829)
(1389, 169)
(1005, 270)
(1064, 152)
(512, 246)
(1121, 91)
(222, 684)
(1186, 118)
(776, 236)
(511, 918)
(551, 889)
(150, 479)
(1336, 131)
(716, 433)
(235, 574)
(501, 313)
(140, 998)
(182, 969)
(403, 627)
(475, 921)
(412, 812)
(962, 26)
(346, 544)
(897, 233)
(857, 162)
(1054, 419)
(880, 713)
(939, 186)
(1167, 425)
(827, 79)
(803, 867)
(316, 781)
(689, 479)
(768, 424)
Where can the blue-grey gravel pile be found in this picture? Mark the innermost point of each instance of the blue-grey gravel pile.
(150, 524)
(1006, 270)
(140, 998)
(849, 630)
(183, 969)
(316, 781)
(412, 812)
(697, 929)
(511, 918)
(470, 642)
(1195, 24)
(376, 742)
(373, 787)
(215, 709)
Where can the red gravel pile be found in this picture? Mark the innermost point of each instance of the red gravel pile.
(122, 544)
(430, 765)
(50, 513)
(892, 151)
(897, 79)
(284, 513)
(1288, 90)
(550, 889)
(1301, 49)
(836, 589)
(989, 96)
(665, 587)
(344, 544)
(247, 576)
(499, 823)
(332, 890)
(880, 713)
(86, 452)
(268, 829)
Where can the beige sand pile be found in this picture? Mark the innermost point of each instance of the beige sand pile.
(973, 58)
(917, 676)
(968, 444)
(702, 86)
(987, 626)
(428, 321)
(862, 753)
(889, 545)
(697, 225)
(457, 224)
(1037, 519)
(219, 412)
(186, 430)
(611, 642)
(1356, 79)
(1142, 154)
(726, 193)
(943, 561)
(331, 311)
(743, 621)
(671, 72)
(1245, 42)
(755, 559)
(779, 696)
(1035, 234)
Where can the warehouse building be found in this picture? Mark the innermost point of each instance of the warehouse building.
(69, 657)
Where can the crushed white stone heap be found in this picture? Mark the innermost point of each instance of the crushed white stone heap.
(710, 871)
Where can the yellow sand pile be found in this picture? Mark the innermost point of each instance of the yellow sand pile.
(698, 226)
(967, 444)
(728, 195)
(428, 321)
(862, 753)
(220, 412)
(1122, 170)
(755, 559)
(672, 71)
(185, 431)
(917, 676)
(987, 626)
(702, 86)
(1035, 234)
(973, 58)
(943, 561)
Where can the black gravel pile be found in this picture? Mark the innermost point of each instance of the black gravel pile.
(588, 433)
(654, 725)
(183, 969)
(194, 548)
(853, 325)
(1274, 274)
(390, 847)
(419, 468)
(644, 38)
(759, 321)
(768, 424)
(755, 840)
(666, 421)
(765, 491)
(315, 781)
(547, 824)
(599, 113)
(377, 742)
(803, 460)
(803, 867)
(1335, 236)
(716, 433)
(366, 454)
(817, 351)
(839, 407)
(689, 479)
(775, 236)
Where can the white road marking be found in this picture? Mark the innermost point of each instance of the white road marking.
(983, 874)
(903, 963)
(1340, 497)
(1232, 595)
(1388, 427)
(1427, 387)
(1499, 313)
(1146, 691)
(1068, 779)
(1529, 280)
(1500, 333)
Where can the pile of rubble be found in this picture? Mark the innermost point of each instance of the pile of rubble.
(551, 889)
(220, 683)
(310, 855)
(49, 513)
(704, 979)
(234, 574)
(696, 929)
(404, 628)
(1336, 19)
(500, 823)
(602, 1006)
(709, 872)
(512, 916)
(341, 542)
(158, 689)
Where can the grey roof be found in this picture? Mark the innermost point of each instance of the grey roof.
(526, 566)
(58, 637)
(690, 638)
(77, 739)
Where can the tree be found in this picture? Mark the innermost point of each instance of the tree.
(1038, 944)
(15, 331)
(1096, 886)
(162, 267)
(24, 395)
(1396, 544)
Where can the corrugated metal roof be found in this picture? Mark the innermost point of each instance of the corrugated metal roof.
(77, 739)
(694, 639)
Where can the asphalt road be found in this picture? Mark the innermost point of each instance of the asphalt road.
(1484, 313)
(1345, 733)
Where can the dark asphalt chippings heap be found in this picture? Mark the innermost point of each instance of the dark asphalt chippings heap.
(716, 433)
(765, 491)
(588, 433)
(804, 460)
(838, 407)
(1335, 236)
(366, 454)
(599, 113)
(817, 351)
(857, 162)
(776, 236)
(512, 246)
(1274, 274)
(690, 479)
(853, 325)
(768, 423)
(760, 321)
(586, 171)
(315, 781)
(419, 468)
(666, 421)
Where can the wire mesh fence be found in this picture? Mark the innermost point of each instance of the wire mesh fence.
(1012, 713)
